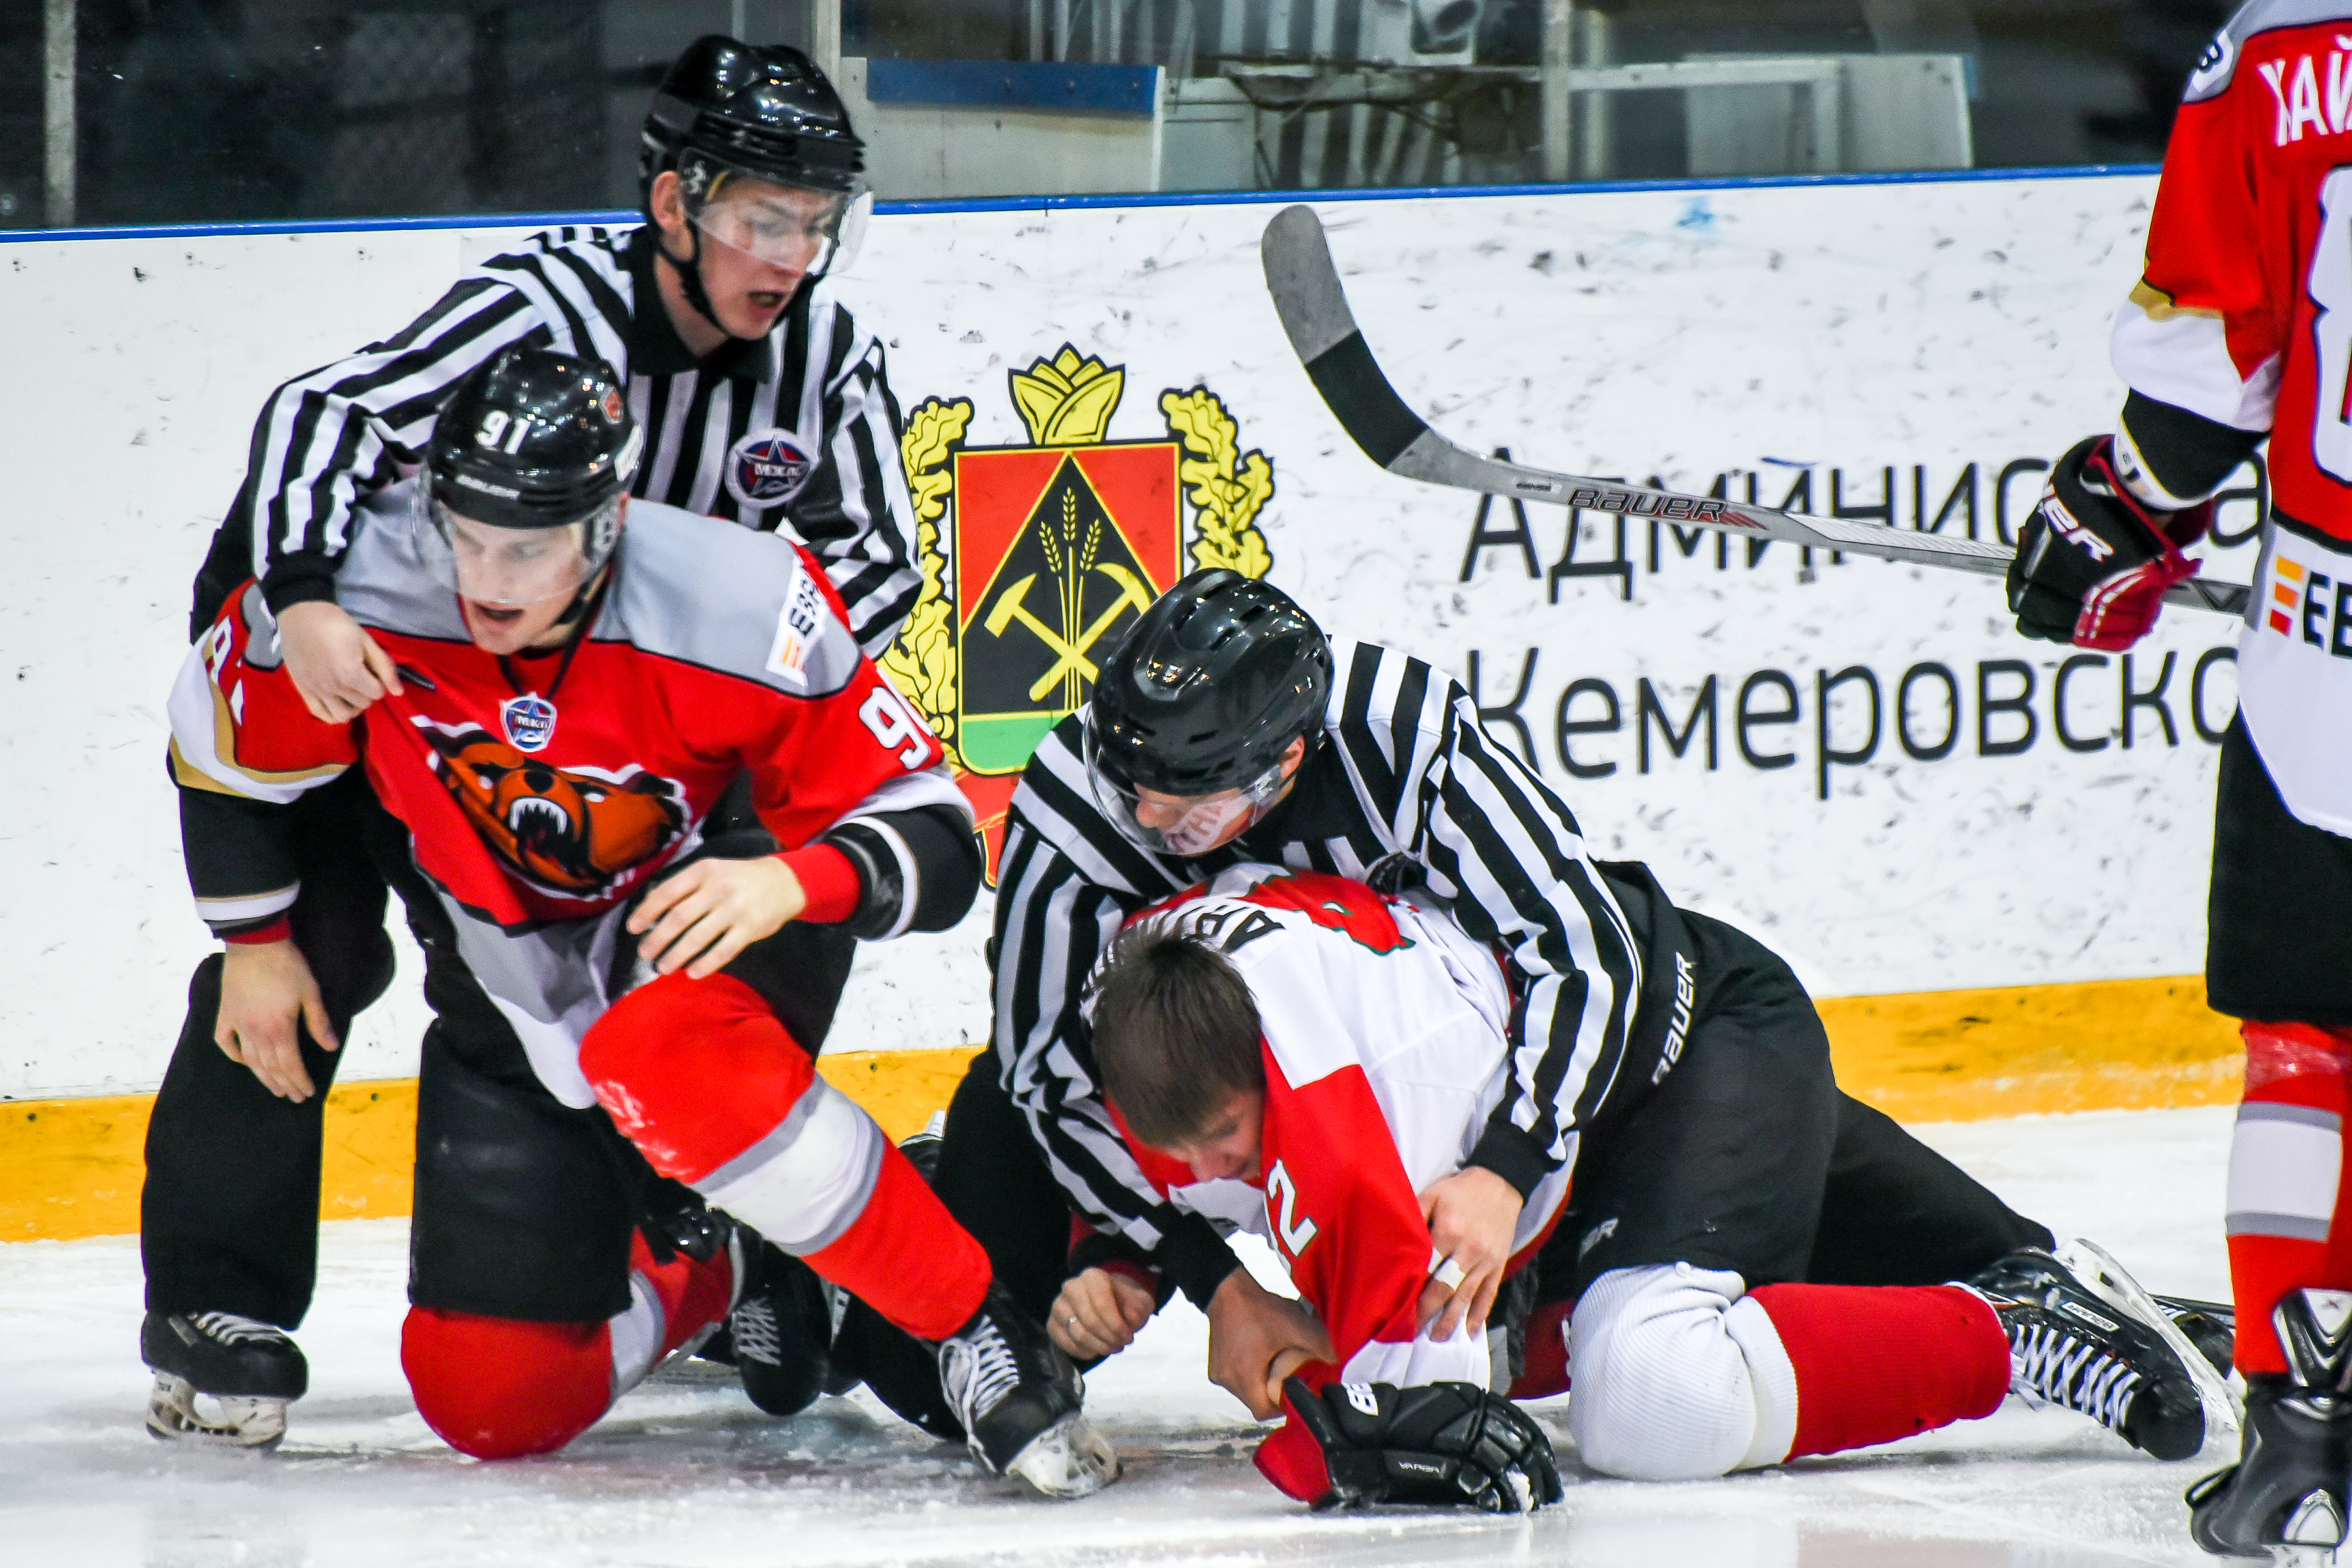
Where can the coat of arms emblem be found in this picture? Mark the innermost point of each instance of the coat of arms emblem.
(1037, 558)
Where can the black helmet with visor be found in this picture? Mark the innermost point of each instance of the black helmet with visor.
(728, 111)
(1200, 702)
(525, 474)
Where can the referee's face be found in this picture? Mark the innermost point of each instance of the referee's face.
(759, 241)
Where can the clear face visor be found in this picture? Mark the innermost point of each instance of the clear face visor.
(515, 567)
(1184, 826)
(785, 226)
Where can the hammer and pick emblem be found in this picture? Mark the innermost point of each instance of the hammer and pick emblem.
(1070, 660)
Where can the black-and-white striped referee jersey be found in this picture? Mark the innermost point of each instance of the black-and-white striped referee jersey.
(795, 430)
(1405, 781)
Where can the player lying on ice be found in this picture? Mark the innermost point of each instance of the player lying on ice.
(621, 1007)
(1224, 729)
(1747, 1266)
(2236, 333)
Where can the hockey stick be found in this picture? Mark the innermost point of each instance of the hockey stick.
(1314, 311)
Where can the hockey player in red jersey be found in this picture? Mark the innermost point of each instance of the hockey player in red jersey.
(2240, 329)
(1755, 1268)
(620, 1007)
(763, 399)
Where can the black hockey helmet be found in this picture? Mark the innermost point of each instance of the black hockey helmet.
(763, 111)
(749, 109)
(533, 440)
(1205, 694)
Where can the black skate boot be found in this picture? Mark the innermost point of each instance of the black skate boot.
(2203, 1334)
(2070, 1345)
(1018, 1398)
(246, 1372)
(781, 1333)
(2285, 1496)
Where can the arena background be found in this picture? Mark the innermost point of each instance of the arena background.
(1859, 762)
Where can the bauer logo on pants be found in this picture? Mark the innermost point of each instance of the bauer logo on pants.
(1053, 549)
(767, 468)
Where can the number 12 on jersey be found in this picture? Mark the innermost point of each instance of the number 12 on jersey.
(1291, 1229)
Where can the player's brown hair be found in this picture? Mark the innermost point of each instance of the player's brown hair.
(1175, 1033)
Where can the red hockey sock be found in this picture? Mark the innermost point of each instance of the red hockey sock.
(671, 1304)
(2286, 1185)
(499, 1388)
(1874, 1363)
(782, 1150)
(694, 1072)
(1546, 1369)
(905, 1257)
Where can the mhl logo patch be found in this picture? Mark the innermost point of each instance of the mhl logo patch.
(767, 468)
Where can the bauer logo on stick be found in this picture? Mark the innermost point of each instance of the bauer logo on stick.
(766, 467)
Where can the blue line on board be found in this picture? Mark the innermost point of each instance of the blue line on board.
(1045, 204)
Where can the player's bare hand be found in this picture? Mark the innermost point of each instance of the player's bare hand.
(700, 918)
(1284, 1363)
(1250, 1329)
(1472, 1215)
(1099, 1313)
(336, 665)
(267, 990)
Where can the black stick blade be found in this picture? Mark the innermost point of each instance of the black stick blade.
(1322, 330)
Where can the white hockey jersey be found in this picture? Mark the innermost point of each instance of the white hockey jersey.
(1384, 1030)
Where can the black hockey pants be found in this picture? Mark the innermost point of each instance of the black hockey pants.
(229, 1217)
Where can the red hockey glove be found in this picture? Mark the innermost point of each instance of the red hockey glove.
(2093, 562)
(1445, 1443)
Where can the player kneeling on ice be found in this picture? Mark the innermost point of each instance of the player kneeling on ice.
(1748, 1267)
(623, 1011)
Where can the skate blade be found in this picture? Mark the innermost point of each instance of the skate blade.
(172, 1416)
(2095, 1267)
(1067, 1459)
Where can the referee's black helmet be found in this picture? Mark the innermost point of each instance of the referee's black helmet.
(1208, 690)
(763, 111)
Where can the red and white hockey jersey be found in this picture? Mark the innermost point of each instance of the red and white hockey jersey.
(2245, 316)
(541, 792)
(1384, 1031)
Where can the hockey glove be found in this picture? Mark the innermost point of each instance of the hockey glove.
(1445, 1443)
(2093, 561)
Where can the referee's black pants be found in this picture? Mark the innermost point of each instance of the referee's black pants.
(230, 1216)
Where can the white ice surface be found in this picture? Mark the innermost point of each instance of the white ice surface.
(685, 1473)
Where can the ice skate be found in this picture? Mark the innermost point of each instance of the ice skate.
(2215, 1327)
(1018, 1397)
(2073, 1346)
(220, 1379)
(2285, 1496)
(780, 1332)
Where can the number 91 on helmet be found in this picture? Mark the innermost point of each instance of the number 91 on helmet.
(526, 473)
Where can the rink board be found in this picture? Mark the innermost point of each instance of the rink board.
(72, 1167)
(1859, 762)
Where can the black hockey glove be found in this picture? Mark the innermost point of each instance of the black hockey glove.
(1445, 1443)
(2093, 562)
